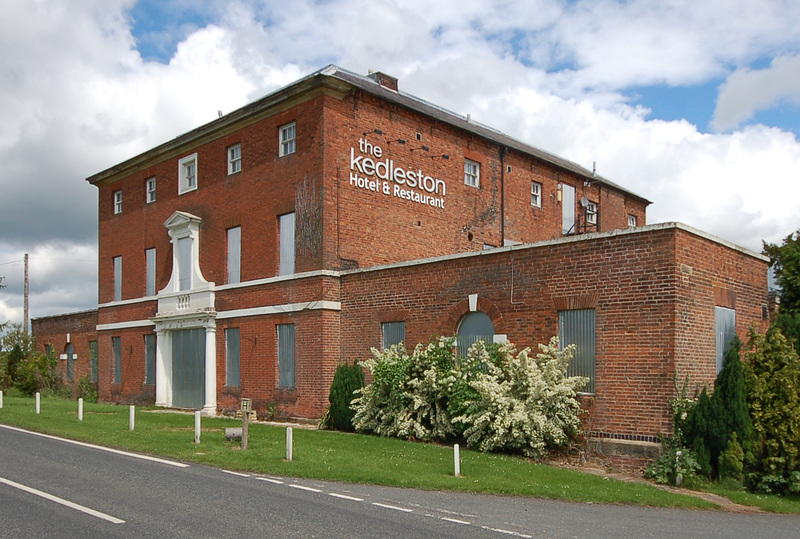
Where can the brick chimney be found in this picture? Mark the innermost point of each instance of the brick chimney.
(387, 81)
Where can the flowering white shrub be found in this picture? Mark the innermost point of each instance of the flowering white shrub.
(497, 400)
(523, 404)
(408, 394)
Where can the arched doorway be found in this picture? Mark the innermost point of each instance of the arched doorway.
(474, 327)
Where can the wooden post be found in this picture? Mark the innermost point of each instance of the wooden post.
(38, 403)
(80, 409)
(457, 460)
(131, 418)
(245, 425)
(289, 443)
(197, 427)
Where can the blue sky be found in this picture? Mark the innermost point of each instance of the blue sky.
(693, 105)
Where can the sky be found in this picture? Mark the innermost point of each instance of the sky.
(693, 105)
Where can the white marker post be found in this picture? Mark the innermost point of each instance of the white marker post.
(289, 443)
(1, 400)
(131, 419)
(38, 403)
(197, 427)
(457, 459)
(80, 409)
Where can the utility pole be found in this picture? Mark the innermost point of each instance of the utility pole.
(25, 294)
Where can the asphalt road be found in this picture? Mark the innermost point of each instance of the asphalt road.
(55, 488)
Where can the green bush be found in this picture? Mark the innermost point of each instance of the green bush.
(731, 461)
(497, 399)
(772, 377)
(346, 380)
(38, 374)
(86, 389)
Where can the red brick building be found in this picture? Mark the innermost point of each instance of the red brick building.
(250, 256)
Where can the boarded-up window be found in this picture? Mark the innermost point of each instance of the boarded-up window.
(117, 278)
(726, 331)
(150, 272)
(286, 240)
(474, 327)
(116, 346)
(286, 355)
(568, 209)
(70, 353)
(93, 359)
(393, 333)
(578, 327)
(150, 359)
(184, 263)
(232, 374)
(234, 254)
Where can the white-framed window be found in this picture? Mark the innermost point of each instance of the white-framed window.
(117, 278)
(288, 133)
(286, 244)
(285, 355)
(234, 254)
(235, 159)
(150, 190)
(631, 220)
(591, 213)
(536, 194)
(150, 272)
(187, 174)
(117, 202)
(393, 333)
(472, 173)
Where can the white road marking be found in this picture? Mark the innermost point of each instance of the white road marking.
(276, 481)
(345, 497)
(101, 448)
(507, 532)
(235, 473)
(403, 509)
(66, 503)
(455, 520)
(303, 487)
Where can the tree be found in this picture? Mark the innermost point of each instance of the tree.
(785, 262)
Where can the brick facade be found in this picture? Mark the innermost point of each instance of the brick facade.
(386, 229)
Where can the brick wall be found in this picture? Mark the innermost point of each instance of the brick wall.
(54, 331)
(632, 281)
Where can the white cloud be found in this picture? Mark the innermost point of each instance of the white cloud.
(747, 91)
(77, 98)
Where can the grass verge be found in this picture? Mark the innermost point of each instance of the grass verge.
(328, 455)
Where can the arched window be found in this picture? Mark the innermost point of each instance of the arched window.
(474, 327)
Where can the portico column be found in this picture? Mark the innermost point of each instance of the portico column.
(210, 407)
(163, 369)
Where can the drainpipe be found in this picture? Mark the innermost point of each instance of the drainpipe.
(503, 196)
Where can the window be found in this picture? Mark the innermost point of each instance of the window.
(474, 327)
(232, 373)
(117, 278)
(567, 209)
(286, 244)
(187, 174)
(150, 359)
(150, 190)
(631, 220)
(150, 272)
(117, 202)
(93, 359)
(185, 263)
(726, 330)
(70, 353)
(578, 327)
(234, 254)
(393, 333)
(536, 194)
(285, 355)
(591, 213)
(287, 139)
(116, 346)
(472, 173)
(235, 159)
